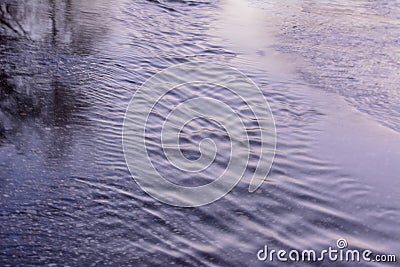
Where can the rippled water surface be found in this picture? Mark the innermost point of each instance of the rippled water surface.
(68, 69)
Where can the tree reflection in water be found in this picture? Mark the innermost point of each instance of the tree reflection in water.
(43, 45)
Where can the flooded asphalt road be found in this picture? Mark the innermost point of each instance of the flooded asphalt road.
(68, 69)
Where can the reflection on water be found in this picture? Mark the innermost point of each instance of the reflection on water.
(352, 49)
(68, 69)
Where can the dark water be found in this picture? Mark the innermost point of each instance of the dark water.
(68, 69)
